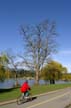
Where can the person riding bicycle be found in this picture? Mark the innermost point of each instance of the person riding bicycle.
(25, 89)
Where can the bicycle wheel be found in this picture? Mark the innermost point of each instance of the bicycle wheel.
(30, 97)
(19, 100)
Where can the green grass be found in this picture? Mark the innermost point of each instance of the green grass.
(47, 88)
(14, 93)
(9, 95)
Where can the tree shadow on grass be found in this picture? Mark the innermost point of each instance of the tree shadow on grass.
(6, 90)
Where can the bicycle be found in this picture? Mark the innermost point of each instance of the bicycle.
(22, 99)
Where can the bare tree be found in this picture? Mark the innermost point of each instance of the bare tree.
(39, 43)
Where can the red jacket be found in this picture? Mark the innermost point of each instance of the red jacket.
(25, 87)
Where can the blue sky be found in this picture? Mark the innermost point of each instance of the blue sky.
(13, 13)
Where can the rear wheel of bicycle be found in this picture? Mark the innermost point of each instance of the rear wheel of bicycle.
(21, 99)
(30, 97)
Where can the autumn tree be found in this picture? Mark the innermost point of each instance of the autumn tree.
(45, 74)
(3, 64)
(2, 73)
(53, 71)
(39, 42)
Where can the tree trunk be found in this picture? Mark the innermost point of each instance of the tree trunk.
(52, 81)
(16, 80)
(37, 78)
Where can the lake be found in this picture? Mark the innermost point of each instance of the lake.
(11, 82)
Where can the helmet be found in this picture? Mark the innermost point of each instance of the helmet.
(26, 81)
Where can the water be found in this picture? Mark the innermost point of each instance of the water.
(11, 82)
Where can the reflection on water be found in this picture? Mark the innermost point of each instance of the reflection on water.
(11, 82)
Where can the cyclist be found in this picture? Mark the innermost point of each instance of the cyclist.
(25, 89)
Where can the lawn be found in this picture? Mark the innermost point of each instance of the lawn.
(14, 93)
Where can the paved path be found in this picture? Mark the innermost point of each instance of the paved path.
(58, 99)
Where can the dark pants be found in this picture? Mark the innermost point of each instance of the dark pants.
(26, 93)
